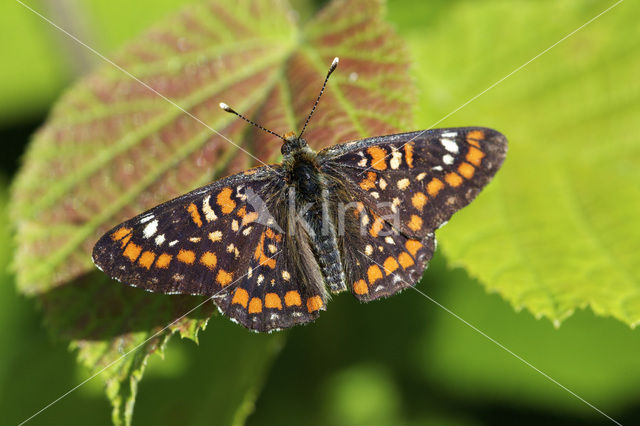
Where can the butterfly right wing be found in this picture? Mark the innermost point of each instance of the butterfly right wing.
(408, 185)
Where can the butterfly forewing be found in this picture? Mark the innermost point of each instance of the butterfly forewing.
(194, 244)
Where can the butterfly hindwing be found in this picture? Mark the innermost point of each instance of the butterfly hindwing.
(383, 260)
(275, 292)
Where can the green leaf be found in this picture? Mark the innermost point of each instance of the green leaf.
(594, 357)
(112, 148)
(557, 229)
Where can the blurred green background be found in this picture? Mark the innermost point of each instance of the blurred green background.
(400, 361)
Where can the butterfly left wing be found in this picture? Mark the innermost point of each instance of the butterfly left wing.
(221, 241)
(409, 185)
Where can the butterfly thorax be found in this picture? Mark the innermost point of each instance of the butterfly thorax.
(301, 168)
(309, 188)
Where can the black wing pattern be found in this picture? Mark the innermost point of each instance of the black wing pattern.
(407, 185)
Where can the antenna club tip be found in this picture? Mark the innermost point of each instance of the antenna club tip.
(334, 64)
(225, 107)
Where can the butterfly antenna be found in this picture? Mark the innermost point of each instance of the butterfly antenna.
(332, 68)
(229, 109)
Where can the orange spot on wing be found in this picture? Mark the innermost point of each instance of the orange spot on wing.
(125, 240)
(163, 260)
(378, 157)
(466, 170)
(186, 256)
(224, 278)
(224, 200)
(259, 254)
(240, 297)
(374, 274)
(415, 223)
(474, 156)
(242, 211)
(209, 259)
(195, 215)
(413, 246)
(390, 265)
(405, 260)
(378, 224)
(314, 303)
(408, 154)
(120, 233)
(270, 262)
(453, 179)
(249, 218)
(292, 298)
(360, 287)
(369, 182)
(419, 200)
(146, 259)
(272, 300)
(474, 136)
(434, 186)
(132, 251)
(255, 306)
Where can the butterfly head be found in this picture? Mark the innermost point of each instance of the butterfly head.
(292, 144)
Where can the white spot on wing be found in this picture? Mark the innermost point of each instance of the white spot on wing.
(150, 229)
(449, 145)
(160, 239)
(146, 218)
(447, 159)
(449, 134)
(403, 184)
(209, 214)
(396, 159)
(173, 243)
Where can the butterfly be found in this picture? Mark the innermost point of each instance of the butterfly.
(271, 244)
